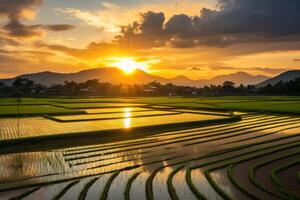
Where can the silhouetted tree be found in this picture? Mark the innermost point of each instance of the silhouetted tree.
(27, 87)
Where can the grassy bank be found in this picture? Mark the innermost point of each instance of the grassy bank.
(273, 104)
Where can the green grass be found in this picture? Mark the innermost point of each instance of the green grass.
(96, 105)
(276, 104)
(24, 101)
(195, 105)
(6, 111)
(289, 107)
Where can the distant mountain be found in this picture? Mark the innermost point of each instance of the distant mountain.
(285, 76)
(112, 75)
(116, 76)
(183, 80)
(238, 78)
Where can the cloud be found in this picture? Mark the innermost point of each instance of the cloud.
(5, 40)
(15, 10)
(296, 60)
(143, 34)
(17, 29)
(58, 27)
(15, 62)
(234, 22)
(104, 20)
(178, 24)
(193, 69)
(271, 70)
(265, 70)
(93, 51)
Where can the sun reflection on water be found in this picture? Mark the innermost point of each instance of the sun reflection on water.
(127, 118)
(126, 110)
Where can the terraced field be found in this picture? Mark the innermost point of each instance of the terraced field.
(256, 157)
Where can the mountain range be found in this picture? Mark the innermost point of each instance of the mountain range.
(117, 76)
(285, 76)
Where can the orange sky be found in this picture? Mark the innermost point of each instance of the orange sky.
(195, 38)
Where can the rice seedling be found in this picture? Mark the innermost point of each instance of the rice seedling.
(201, 154)
(129, 184)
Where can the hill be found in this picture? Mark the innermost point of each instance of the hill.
(116, 76)
(285, 76)
(238, 78)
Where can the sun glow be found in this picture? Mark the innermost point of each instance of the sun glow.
(129, 65)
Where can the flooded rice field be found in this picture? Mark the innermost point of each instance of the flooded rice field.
(256, 157)
(11, 128)
(126, 114)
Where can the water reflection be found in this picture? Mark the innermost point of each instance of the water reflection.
(126, 110)
(127, 118)
(21, 166)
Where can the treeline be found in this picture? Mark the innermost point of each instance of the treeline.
(25, 87)
(282, 88)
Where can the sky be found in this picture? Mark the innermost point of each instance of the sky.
(199, 39)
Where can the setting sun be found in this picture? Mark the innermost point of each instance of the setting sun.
(129, 65)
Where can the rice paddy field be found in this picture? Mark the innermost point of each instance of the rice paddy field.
(150, 148)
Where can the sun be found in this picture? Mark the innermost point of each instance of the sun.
(129, 65)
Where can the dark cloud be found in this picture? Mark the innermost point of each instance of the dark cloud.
(234, 22)
(146, 33)
(296, 60)
(17, 29)
(152, 23)
(58, 27)
(178, 24)
(193, 68)
(15, 10)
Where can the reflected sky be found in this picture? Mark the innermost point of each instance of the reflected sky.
(125, 118)
(139, 155)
